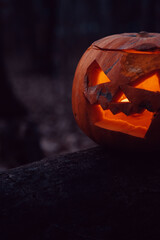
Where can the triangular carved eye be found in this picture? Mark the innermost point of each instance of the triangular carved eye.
(96, 75)
(151, 83)
(102, 78)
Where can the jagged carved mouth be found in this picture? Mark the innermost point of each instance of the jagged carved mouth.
(127, 108)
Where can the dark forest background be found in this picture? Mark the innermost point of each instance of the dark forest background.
(41, 42)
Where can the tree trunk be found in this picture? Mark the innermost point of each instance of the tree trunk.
(92, 194)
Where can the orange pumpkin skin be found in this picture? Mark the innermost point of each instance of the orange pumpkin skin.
(125, 59)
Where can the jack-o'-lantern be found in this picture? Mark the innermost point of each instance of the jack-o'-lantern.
(116, 91)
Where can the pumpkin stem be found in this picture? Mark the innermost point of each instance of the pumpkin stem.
(143, 34)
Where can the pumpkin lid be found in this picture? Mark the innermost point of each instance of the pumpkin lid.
(142, 41)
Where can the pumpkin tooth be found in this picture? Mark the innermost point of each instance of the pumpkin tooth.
(126, 107)
(114, 108)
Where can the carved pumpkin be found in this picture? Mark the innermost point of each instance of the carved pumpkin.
(116, 91)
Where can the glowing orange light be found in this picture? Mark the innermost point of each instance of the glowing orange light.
(141, 52)
(134, 124)
(123, 98)
(102, 78)
(151, 84)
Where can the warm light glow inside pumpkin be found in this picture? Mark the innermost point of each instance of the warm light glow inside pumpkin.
(141, 52)
(134, 124)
